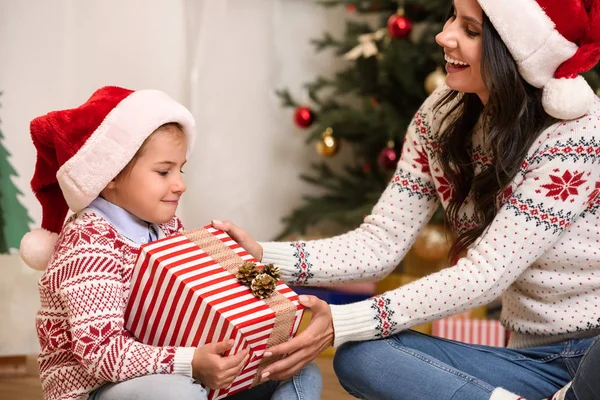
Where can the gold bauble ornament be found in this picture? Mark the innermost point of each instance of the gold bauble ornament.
(433, 243)
(434, 79)
(328, 145)
(598, 92)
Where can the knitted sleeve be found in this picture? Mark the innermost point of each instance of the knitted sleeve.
(559, 186)
(92, 276)
(376, 247)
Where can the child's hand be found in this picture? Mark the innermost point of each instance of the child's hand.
(240, 236)
(213, 369)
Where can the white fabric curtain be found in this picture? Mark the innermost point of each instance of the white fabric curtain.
(249, 154)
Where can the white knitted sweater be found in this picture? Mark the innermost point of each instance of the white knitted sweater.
(541, 253)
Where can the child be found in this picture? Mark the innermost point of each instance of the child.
(116, 162)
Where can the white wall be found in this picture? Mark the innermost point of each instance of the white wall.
(249, 154)
(55, 53)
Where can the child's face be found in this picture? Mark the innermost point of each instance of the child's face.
(152, 189)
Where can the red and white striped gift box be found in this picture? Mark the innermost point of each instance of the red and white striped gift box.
(181, 296)
(473, 331)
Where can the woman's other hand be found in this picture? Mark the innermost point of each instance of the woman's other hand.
(306, 346)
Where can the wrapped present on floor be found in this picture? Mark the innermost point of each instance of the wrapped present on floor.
(184, 292)
(472, 331)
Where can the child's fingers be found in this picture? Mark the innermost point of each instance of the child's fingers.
(235, 370)
(234, 361)
(219, 347)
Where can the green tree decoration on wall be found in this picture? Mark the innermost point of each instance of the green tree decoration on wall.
(14, 218)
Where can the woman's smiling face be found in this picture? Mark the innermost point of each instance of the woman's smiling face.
(461, 40)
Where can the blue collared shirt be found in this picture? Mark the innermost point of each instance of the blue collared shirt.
(127, 224)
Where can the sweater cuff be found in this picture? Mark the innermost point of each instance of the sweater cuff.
(183, 361)
(282, 255)
(353, 322)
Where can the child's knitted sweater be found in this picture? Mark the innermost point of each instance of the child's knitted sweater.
(80, 324)
(541, 252)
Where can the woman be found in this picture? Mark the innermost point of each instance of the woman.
(516, 133)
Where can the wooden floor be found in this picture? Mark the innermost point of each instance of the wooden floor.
(28, 387)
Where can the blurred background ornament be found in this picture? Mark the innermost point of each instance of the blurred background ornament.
(366, 46)
(434, 79)
(433, 243)
(398, 25)
(304, 116)
(388, 157)
(328, 145)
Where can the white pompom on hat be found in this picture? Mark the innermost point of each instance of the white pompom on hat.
(80, 150)
(552, 42)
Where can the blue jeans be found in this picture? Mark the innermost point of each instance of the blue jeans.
(411, 365)
(305, 385)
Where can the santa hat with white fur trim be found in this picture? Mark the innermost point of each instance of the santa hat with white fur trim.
(80, 150)
(552, 41)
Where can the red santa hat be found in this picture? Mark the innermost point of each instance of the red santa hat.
(80, 150)
(552, 41)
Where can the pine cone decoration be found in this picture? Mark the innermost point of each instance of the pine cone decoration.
(246, 273)
(263, 285)
(271, 270)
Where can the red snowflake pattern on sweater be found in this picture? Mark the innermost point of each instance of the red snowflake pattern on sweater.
(564, 186)
(595, 195)
(422, 161)
(80, 324)
(445, 188)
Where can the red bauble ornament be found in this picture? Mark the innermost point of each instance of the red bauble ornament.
(388, 159)
(399, 26)
(304, 117)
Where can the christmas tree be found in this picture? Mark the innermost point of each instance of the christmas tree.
(392, 67)
(14, 219)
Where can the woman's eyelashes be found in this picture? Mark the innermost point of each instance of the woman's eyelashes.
(470, 33)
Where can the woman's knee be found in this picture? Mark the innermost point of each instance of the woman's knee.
(342, 360)
(353, 361)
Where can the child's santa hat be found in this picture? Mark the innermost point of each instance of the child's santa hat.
(80, 150)
(552, 41)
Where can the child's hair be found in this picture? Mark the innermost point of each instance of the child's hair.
(174, 129)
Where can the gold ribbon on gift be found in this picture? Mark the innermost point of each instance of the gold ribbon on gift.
(284, 309)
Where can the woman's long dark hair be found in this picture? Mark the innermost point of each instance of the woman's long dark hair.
(512, 119)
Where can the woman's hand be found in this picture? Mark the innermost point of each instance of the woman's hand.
(306, 346)
(240, 236)
(214, 370)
